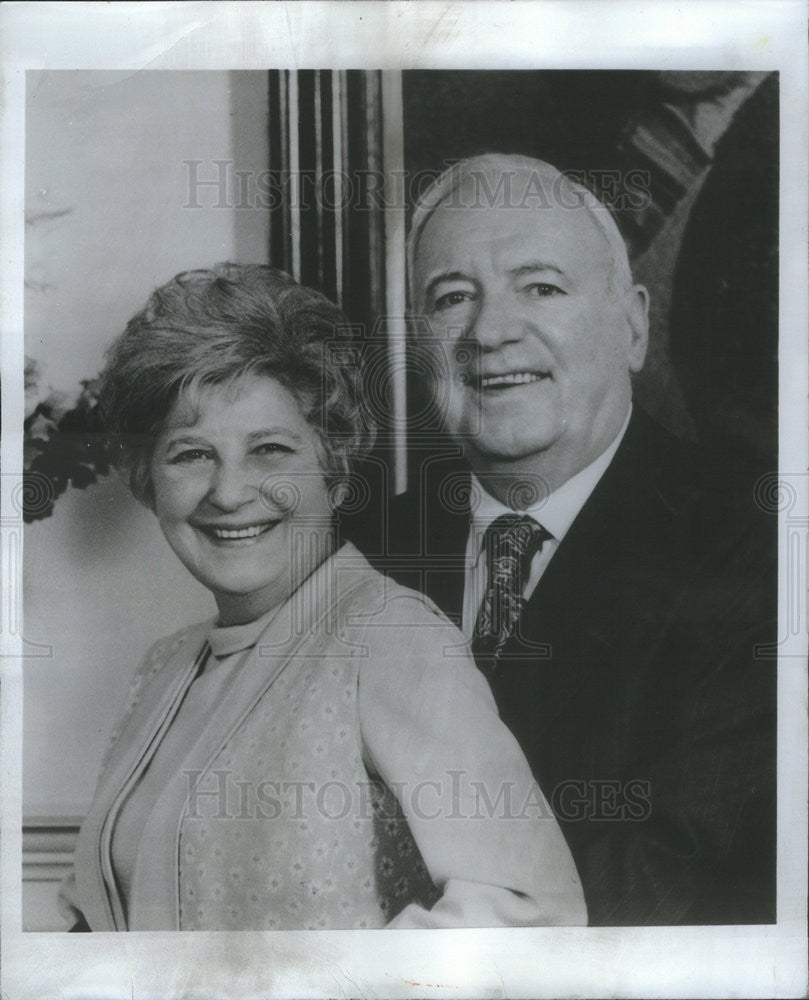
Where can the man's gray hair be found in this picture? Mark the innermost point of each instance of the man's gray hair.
(543, 181)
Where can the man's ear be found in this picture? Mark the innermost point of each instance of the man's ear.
(637, 314)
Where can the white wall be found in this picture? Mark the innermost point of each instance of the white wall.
(106, 185)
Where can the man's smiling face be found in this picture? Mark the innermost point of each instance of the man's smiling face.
(537, 346)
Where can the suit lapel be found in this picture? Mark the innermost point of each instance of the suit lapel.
(573, 594)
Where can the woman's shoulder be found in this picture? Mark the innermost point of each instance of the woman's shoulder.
(402, 633)
(168, 645)
(163, 650)
(368, 596)
(414, 662)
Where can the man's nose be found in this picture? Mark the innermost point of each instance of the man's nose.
(231, 486)
(495, 323)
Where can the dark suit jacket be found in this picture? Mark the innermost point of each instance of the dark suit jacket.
(637, 685)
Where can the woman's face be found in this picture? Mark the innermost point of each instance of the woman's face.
(241, 495)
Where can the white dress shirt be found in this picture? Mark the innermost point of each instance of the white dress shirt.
(555, 513)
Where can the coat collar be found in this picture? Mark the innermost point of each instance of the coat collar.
(631, 517)
(163, 683)
(633, 490)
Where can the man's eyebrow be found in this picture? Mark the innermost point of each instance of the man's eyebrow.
(445, 276)
(533, 266)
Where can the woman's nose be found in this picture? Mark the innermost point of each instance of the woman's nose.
(231, 486)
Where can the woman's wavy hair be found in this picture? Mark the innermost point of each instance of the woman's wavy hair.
(212, 327)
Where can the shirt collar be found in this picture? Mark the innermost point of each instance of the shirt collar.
(226, 640)
(559, 510)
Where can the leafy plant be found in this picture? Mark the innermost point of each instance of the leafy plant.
(64, 444)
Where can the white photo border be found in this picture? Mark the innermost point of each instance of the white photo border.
(739, 961)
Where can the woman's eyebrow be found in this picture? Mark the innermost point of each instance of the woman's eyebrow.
(270, 431)
(184, 439)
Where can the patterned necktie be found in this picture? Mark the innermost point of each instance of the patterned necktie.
(510, 543)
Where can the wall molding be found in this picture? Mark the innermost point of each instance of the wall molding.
(48, 844)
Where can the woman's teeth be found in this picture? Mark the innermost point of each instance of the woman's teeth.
(250, 532)
(515, 378)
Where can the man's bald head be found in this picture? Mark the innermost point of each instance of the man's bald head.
(511, 180)
(523, 283)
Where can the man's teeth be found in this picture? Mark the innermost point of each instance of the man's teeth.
(251, 532)
(515, 378)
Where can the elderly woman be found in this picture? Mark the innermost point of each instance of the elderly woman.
(323, 753)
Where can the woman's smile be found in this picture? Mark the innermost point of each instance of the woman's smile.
(236, 535)
(241, 495)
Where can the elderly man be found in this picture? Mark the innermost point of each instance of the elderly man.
(616, 598)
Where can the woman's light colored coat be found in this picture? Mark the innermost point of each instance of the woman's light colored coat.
(355, 774)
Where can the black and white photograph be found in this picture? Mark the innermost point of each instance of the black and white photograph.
(404, 500)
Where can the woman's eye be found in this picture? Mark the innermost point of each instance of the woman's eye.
(450, 299)
(189, 455)
(272, 448)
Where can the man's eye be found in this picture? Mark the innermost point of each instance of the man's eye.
(543, 290)
(450, 299)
